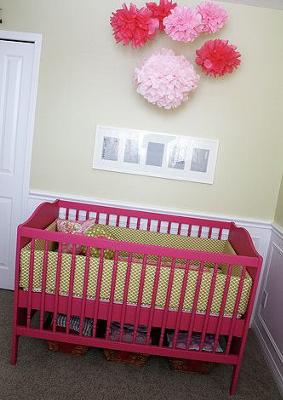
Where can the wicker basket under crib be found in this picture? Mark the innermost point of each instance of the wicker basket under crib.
(190, 366)
(137, 359)
(75, 350)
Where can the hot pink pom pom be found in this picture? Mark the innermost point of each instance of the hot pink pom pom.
(161, 10)
(133, 25)
(218, 57)
(183, 24)
(213, 16)
(165, 79)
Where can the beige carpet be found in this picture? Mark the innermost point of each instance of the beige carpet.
(40, 374)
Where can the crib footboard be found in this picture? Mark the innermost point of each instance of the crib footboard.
(140, 298)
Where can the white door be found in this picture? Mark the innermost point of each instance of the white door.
(16, 75)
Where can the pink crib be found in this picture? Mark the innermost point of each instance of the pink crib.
(170, 290)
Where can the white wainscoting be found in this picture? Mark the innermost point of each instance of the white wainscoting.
(268, 321)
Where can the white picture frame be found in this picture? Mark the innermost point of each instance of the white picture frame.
(162, 155)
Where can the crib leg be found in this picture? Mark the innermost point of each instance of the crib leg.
(14, 353)
(235, 377)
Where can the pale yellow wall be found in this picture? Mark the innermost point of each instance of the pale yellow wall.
(279, 210)
(85, 79)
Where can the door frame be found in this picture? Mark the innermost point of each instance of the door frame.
(36, 39)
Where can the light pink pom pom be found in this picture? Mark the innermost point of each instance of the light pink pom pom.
(165, 79)
(183, 24)
(213, 16)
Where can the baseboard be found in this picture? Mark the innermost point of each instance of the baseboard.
(271, 351)
(269, 358)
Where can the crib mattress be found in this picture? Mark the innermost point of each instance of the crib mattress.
(126, 234)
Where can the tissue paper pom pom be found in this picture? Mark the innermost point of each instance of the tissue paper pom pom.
(183, 24)
(218, 57)
(133, 25)
(161, 10)
(165, 79)
(213, 16)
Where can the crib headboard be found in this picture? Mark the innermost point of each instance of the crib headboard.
(143, 220)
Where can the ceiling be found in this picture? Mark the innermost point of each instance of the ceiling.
(260, 3)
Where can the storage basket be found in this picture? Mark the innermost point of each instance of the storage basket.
(137, 359)
(63, 347)
(74, 349)
(190, 366)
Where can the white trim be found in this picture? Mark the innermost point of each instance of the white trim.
(21, 36)
(39, 195)
(36, 39)
(269, 358)
(270, 348)
(277, 230)
(270, 337)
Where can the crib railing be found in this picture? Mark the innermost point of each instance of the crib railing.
(34, 307)
(135, 314)
(149, 221)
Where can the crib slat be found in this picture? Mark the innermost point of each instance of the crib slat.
(190, 230)
(199, 231)
(97, 291)
(167, 302)
(112, 294)
(195, 303)
(85, 286)
(222, 306)
(97, 218)
(220, 234)
(209, 232)
(236, 308)
(140, 295)
(43, 285)
(169, 227)
(77, 214)
(118, 220)
(87, 215)
(181, 302)
(138, 224)
(128, 222)
(158, 225)
(125, 295)
(208, 306)
(30, 281)
(107, 219)
(153, 298)
(179, 228)
(148, 225)
(67, 213)
(57, 285)
(71, 288)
